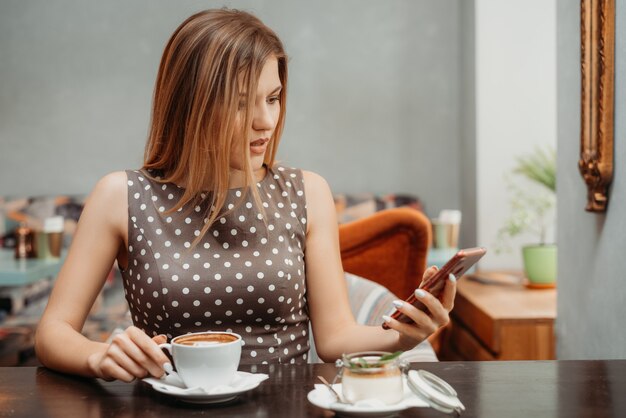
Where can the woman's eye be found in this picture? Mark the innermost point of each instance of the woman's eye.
(273, 99)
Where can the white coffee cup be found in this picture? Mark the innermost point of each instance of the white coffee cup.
(206, 359)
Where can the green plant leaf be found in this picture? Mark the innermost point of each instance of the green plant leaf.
(539, 167)
(531, 207)
(391, 356)
(361, 363)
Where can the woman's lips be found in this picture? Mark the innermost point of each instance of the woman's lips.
(259, 146)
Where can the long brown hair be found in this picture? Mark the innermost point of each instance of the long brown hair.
(213, 58)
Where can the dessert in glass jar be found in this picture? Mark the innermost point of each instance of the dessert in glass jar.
(372, 375)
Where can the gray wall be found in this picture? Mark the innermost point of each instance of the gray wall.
(467, 125)
(373, 105)
(591, 289)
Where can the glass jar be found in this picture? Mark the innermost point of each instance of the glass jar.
(372, 375)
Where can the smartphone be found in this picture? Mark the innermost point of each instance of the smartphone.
(458, 265)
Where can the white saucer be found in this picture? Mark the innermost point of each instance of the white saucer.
(174, 387)
(323, 398)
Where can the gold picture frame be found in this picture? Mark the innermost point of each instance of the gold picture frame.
(597, 50)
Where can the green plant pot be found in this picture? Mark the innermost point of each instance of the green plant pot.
(540, 263)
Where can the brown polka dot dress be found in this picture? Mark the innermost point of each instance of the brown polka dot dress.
(245, 275)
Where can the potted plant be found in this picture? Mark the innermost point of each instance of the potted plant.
(532, 211)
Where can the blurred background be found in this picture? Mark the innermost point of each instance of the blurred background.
(400, 96)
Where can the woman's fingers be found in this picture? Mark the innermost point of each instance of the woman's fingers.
(429, 272)
(436, 314)
(132, 354)
(145, 351)
(160, 339)
(449, 293)
(414, 333)
(420, 327)
(116, 359)
(425, 323)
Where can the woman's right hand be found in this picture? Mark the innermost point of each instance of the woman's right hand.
(132, 354)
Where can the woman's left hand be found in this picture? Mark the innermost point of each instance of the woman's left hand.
(425, 323)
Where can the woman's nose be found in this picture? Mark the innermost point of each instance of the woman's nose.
(263, 118)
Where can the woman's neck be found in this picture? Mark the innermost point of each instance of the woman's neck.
(237, 178)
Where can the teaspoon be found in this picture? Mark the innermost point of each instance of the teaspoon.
(329, 386)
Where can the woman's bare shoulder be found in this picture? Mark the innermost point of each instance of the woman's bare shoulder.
(314, 182)
(319, 200)
(108, 199)
(112, 185)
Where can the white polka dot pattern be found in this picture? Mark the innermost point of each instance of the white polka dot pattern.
(246, 275)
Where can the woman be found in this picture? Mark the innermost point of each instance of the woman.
(211, 233)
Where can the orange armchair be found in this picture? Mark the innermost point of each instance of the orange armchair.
(388, 247)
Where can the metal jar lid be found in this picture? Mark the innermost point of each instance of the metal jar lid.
(435, 391)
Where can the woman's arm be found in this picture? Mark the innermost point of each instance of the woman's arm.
(100, 237)
(334, 327)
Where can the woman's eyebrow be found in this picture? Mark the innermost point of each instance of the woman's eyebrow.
(277, 89)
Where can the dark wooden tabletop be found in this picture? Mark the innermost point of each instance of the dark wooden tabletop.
(488, 389)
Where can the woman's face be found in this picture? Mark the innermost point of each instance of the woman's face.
(265, 112)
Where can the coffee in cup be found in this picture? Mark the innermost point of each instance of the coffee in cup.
(206, 359)
(203, 339)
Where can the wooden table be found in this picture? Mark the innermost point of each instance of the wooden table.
(496, 317)
(488, 389)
